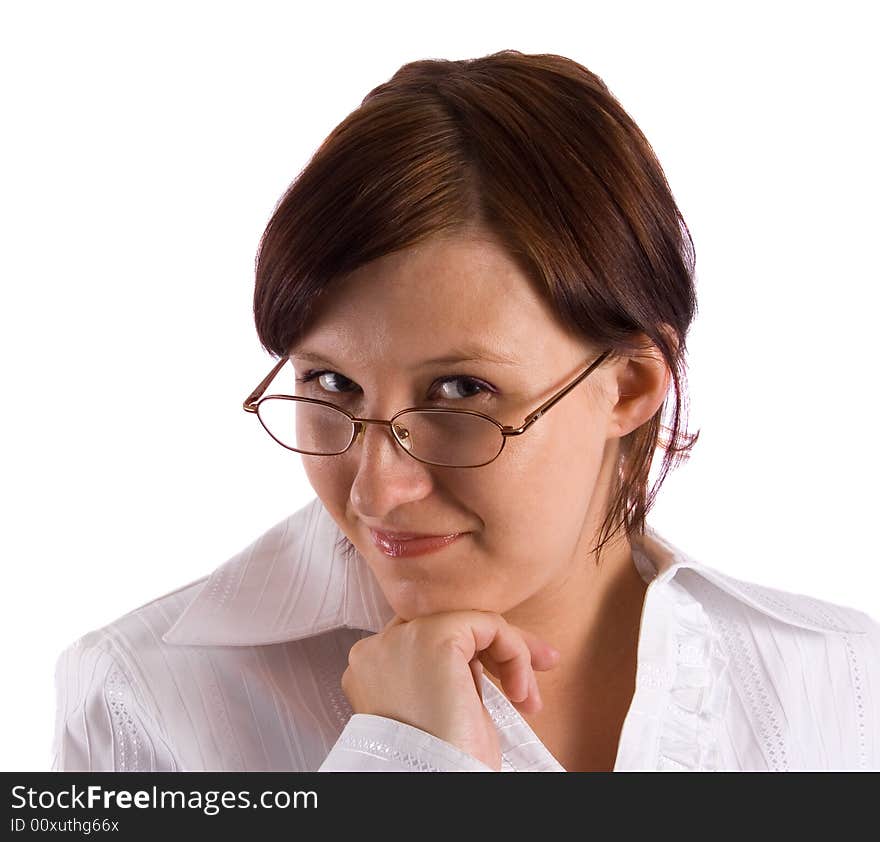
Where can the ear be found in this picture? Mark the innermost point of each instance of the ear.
(642, 381)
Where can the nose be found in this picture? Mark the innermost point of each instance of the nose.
(386, 477)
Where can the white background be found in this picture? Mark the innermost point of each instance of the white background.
(143, 149)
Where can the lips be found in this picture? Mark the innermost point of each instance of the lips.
(407, 544)
(403, 536)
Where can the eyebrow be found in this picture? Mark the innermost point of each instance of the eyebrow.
(461, 355)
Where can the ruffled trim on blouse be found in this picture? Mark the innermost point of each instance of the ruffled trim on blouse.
(679, 704)
(699, 691)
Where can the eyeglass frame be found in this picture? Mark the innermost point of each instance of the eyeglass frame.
(254, 399)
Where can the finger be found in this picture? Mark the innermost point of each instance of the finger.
(489, 664)
(477, 672)
(491, 634)
(539, 662)
(514, 671)
(532, 703)
(544, 656)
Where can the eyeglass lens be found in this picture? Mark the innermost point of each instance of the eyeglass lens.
(443, 438)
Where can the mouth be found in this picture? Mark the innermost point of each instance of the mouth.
(399, 545)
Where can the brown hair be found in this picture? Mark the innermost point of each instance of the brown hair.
(535, 149)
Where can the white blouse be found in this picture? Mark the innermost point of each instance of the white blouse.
(240, 670)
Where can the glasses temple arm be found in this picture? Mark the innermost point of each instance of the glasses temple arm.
(248, 405)
(545, 407)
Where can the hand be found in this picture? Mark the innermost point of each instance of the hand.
(427, 672)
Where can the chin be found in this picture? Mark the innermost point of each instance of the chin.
(421, 599)
(412, 599)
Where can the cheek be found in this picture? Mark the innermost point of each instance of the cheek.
(329, 483)
(541, 489)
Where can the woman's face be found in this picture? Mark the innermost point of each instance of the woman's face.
(530, 517)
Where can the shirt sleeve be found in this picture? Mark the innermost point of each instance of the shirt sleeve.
(370, 743)
(101, 721)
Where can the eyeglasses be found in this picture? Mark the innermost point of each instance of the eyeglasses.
(449, 438)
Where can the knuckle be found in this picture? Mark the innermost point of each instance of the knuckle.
(431, 633)
(356, 652)
(458, 640)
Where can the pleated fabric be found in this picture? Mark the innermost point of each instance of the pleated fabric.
(240, 671)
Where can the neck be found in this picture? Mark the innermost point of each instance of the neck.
(592, 617)
(587, 694)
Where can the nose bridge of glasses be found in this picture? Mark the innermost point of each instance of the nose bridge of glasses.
(398, 439)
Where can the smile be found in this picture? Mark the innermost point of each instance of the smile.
(397, 547)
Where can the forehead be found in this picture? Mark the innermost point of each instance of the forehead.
(443, 293)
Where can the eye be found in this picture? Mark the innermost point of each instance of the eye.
(454, 387)
(323, 378)
(473, 387)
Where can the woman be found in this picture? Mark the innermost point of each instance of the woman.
(475, 586)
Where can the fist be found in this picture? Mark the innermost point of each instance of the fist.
(427, 672)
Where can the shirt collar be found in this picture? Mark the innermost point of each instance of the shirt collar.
(295, 581)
